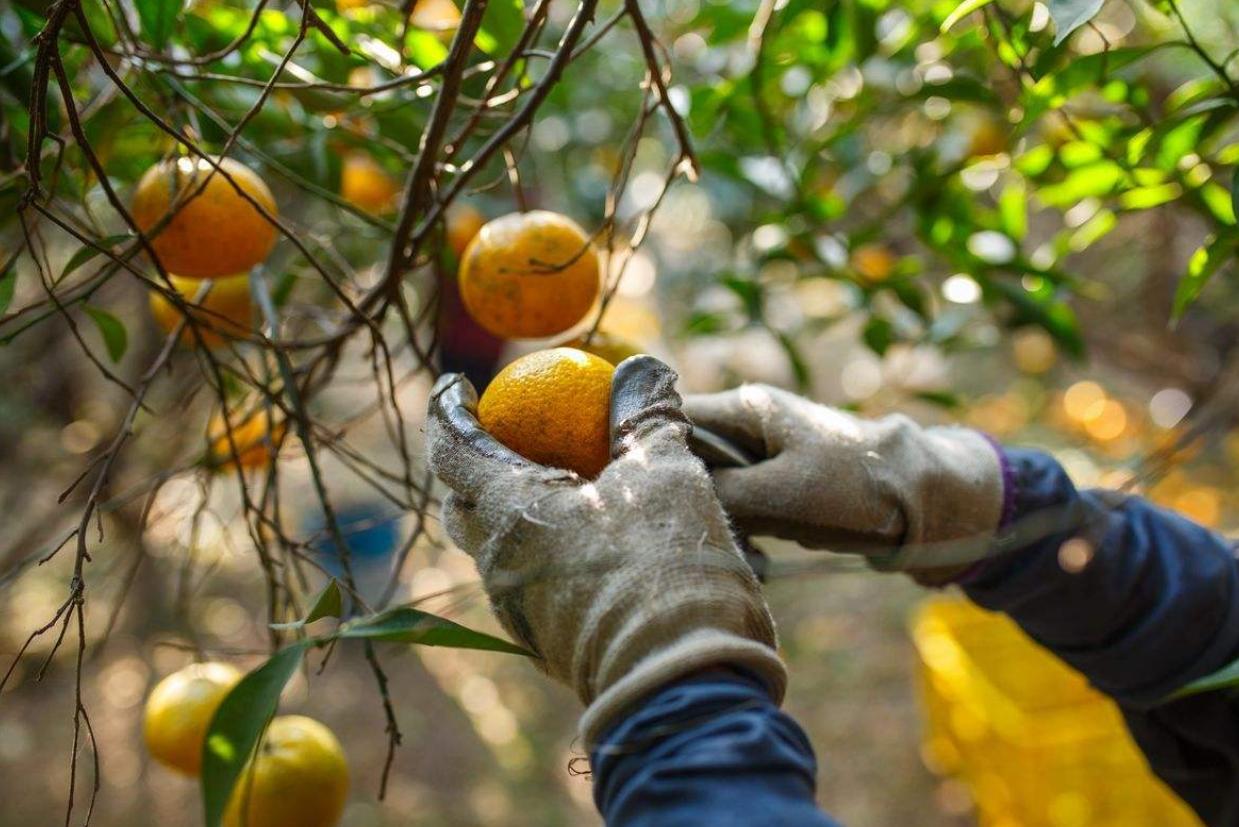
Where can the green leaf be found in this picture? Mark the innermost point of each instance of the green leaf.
(1234, 199)
(1069, 15)
(943, 399)
(795, 358)
(502, 24)
(115, 337)
(239, 723)
(87, 253)
(329, 603)
(1206, 261)
(1013, 210)
(404, 624)
(961, 11)
(879, 334)
(8, 282)
(156, 19)
(1225, 677)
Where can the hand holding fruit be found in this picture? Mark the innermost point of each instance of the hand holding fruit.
(619, 584)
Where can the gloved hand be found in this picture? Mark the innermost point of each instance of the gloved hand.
(618, 585)
(923, 500)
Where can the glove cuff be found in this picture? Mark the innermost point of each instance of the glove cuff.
(694, 652)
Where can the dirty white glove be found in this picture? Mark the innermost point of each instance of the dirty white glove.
(621, 584)
(909, 498)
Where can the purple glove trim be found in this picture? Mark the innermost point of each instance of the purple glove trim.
(1010, 492)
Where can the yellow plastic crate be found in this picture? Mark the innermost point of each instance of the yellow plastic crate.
(1034, 743)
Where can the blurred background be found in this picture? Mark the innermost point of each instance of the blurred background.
(961, 220)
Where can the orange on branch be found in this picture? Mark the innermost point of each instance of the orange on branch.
(439, 16)
(366, 185)
(214, 230)
(463, 223)
(298, 777)
(529, 275)
(179, 710)
(256, 437)
(553, 407)
(874, 261)
(226, 312)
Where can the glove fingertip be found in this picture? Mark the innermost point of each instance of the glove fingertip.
(643, 401)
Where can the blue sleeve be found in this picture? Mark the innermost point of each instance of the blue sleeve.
(1141, 601)
(712, 749)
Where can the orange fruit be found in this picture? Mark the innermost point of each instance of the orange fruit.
(988, 137)
(553, 407)
(463, 223)
(873, 261)
(298, 777)
(227, 310)
(604, 345)
(214, 233)
(529, 275)
(256, 438)
(179, 710)
(440, 16)
(366, 185)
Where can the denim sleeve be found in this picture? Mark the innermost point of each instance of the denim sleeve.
(1142, 601)
(712, 749)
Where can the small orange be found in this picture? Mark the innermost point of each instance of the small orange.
(873, 261)
(255, 436)
(529, 275)
(553, 407)
(463, 223)
(298, 777)
(439, 16)
(227, 311)
(214, 231)
(179, 710)
(366, 185)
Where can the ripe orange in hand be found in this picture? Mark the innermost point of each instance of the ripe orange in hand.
(214, 233)
(179, 710)
(297, 778)
(553, 407)
(255, 436)
(227, 310)
(366, 185)
(529, 275)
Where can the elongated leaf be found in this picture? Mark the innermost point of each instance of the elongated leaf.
(1206, 261)
(404, 624)
(1069, 15)
(115, 337)
(1234, 200)
(796, 359)
(502, 24)
(238, 724)
(329, 603)
(879, 334)
(961, 11)
(8, 282)
(87, 253)
(1222, 678)
(156, 19)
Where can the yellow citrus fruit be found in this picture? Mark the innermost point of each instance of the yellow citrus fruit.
(366, 185)
(226, 311)
(463, 223)
(214, 233)
(553, 407)
(255, 436)
(529, 275)
(435, 16)
(178, 713)
(988, 138)
(873, 261)
(297, 778)
(604, 345)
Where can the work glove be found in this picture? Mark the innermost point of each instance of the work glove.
(923, 500)
(619, 584)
